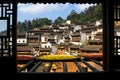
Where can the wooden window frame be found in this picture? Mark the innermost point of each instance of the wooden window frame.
(108, 50)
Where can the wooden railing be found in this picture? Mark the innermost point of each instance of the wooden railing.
(39, 63)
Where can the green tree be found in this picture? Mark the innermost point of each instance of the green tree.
(73, 16)
(58, 21)
(98, 11)
(29, 25)
(89, 15)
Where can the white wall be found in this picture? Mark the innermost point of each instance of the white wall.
(83, 37)
(68, 22)
(76, 43)
(22, 40)
(54, 49)
(46, 45)
(42, 38)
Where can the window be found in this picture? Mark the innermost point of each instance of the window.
(107, 38)
(83, 19)
(3, 27)
(116, 33)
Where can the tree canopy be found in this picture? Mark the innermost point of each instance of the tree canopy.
(89, 15)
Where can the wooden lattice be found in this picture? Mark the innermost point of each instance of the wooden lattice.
(6, 13)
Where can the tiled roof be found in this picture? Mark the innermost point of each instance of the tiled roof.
(38, 33)
(63, 44)
(89, 49)
(99, 33)
(98, 37)
(88, 30)
(21, 35)
(23, 49)
(21, 44)
(33, 36)
(76, 39)
(94, 41)
(33, 44)
(74, 46)
(45, 49)
(67, 40)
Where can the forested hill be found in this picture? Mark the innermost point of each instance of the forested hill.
(89, 15)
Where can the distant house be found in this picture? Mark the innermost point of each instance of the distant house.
(77, 27)
(21, 38)
(94, 44)
(67, 38)
(44, 38)
(98, 36)
(63, 27)
(45, 51)
(74, 48)
(23, 49)
(61, 48)
(56, 29)
(60, 37)
(46, 45)
(98, 23)
(22, 45)
(33, 40)
(68, 22)
(91, 31)
(76, 38)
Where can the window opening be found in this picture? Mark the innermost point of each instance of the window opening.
(116, 28)
(71, 49)
(3, 28)
(117, 35)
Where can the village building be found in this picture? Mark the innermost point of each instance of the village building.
(62, 48)
(44, 51)
(25, 50)
(21, 38)
(76, 38)
(90, 30)
(22, 48)
(33, 42)
(94, 42)
(56, 28)
(77, 28)
(63, 27)
(74, 49)
(67, 39)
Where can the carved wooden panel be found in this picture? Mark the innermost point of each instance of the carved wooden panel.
(6, 25)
